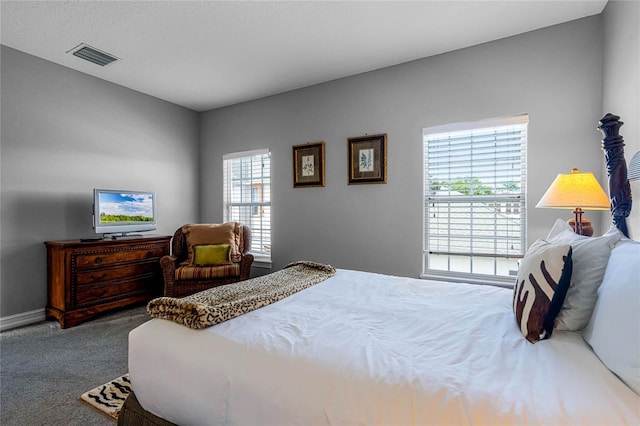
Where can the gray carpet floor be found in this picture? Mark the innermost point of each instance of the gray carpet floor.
(44, 369)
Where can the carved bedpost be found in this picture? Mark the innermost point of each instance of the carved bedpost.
(619, 188)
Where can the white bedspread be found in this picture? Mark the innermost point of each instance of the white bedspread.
(363, 348)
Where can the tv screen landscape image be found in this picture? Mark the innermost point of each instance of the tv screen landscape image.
(120, 211)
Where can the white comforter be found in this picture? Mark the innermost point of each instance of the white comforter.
(364, 348)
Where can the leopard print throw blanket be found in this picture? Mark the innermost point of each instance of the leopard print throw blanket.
(219, 304)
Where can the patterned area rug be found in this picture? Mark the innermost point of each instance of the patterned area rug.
(109, 397)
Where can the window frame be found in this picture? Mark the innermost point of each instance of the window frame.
(495, 198)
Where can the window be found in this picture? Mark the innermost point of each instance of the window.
(474, 199)
(247, 197)
(256, 197)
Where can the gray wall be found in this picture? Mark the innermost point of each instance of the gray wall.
(621, 83)
(554, 75)
(64, 133)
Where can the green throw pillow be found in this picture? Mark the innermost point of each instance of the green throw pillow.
(211, 255)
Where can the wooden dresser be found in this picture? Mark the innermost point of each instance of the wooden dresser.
(86, 278)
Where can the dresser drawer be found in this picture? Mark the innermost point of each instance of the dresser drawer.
(109, 258)
(90, 276)
(99, 293)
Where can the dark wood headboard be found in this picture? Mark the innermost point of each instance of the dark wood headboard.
(619, 187)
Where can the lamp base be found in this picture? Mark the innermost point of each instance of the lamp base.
(587, 229)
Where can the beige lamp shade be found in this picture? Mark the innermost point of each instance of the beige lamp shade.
(575, 190)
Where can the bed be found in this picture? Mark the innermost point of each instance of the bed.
(364, 348)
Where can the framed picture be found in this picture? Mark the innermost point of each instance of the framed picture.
(308, 165)
(368, 159)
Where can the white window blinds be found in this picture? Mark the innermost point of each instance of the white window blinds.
(474, 198)
(247, 196)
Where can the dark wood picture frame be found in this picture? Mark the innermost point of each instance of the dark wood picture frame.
(308, 165)
(368, 159)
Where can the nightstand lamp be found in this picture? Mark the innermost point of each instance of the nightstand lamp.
(578, 191)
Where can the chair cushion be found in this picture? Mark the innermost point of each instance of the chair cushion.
(185, 273)
(214, 233)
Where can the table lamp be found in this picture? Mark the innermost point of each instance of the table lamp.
(578, 191)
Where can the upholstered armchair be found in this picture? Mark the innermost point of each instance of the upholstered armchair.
(205, 256)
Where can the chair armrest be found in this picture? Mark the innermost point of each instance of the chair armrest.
(245, 266)
(168, 265)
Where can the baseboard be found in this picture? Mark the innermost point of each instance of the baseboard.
(24, 318)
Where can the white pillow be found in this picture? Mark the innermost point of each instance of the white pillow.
(614, 329)
(590, 257)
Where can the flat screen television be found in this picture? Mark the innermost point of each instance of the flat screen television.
(123, 212)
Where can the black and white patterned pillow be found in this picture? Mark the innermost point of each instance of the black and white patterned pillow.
(541, 286)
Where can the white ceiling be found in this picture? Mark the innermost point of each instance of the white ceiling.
(208, 54)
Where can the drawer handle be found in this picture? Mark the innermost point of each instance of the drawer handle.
(98, 293)
(99, 277)
(149, 254)
(98, 260)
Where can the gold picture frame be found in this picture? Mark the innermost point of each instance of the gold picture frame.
(308, 165)
(368, 159)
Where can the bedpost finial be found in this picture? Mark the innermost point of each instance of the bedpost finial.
(609, 125)
(609, 117)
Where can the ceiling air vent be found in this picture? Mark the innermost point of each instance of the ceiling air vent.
(92, 54)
